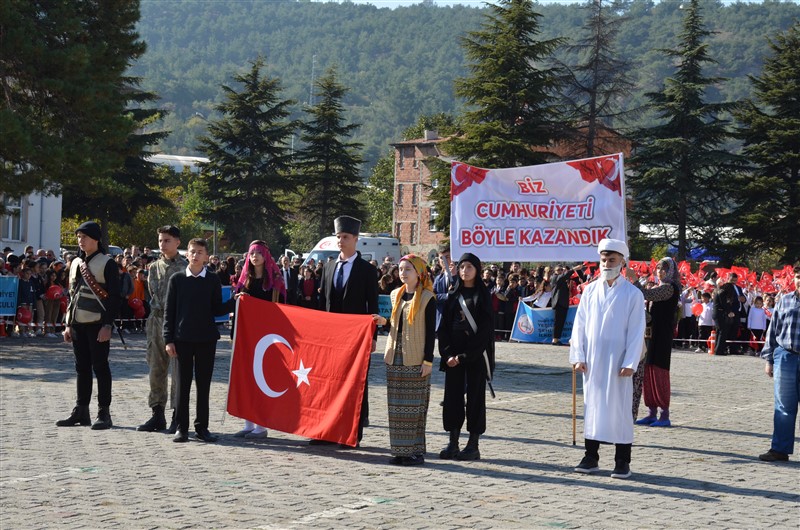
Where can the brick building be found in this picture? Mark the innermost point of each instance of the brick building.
(413, 212)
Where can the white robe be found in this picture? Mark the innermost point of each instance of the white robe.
(608, 335)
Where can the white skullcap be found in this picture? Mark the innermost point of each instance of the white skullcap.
(613, 245)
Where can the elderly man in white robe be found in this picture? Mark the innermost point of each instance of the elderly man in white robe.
(606, 346)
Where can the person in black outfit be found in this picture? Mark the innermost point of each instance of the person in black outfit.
(348, 286)
(194, 298)
(465, 353)
(94, 303)
(725, 317)
(560, 297)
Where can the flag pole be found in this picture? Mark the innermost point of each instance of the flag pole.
(574, 406)
(230, 366)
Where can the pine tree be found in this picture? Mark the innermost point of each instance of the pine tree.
(63, 116)
(510, 92)
(768, 212)
(134, 186)
(328, 164)
(679, 169)
(598, 83)
(248, 176)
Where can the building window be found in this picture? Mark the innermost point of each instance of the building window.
(413, 239)
(432, 220)
(12, 219)
(398, 197)
(401, 163)
(397, 229)
(415, 195)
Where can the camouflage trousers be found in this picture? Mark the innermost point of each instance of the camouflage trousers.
(160, 365)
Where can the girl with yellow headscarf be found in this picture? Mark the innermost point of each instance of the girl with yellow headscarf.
(409, 360)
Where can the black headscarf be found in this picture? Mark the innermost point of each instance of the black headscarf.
(476, 262)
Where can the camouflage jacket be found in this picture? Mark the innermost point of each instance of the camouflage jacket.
(159, 273)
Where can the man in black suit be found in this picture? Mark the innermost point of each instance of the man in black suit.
(560, 298)
(349, 285)
(739, 307)
(290, 280)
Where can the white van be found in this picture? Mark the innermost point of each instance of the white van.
(371, 246)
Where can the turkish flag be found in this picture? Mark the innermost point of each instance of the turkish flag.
(299, 370)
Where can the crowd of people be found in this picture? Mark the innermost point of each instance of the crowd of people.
(466, 305)
(706, 299)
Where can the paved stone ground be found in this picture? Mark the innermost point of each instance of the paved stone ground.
(702, 472)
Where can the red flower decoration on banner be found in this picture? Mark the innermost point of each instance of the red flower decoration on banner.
(462, 176)
(605, 170)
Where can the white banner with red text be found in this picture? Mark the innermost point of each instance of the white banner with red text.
(549, 212)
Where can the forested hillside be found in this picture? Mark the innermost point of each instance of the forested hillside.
(400, 63)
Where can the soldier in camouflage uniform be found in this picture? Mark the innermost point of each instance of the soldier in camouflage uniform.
(160, 271)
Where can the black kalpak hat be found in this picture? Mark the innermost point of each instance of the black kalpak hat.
(347, 224)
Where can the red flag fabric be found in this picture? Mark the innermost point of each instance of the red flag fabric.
(298, 370)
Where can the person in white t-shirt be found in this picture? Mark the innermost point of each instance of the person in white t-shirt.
(757, 321)
(705, 322)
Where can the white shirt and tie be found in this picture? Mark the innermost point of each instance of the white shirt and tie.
(342, 273)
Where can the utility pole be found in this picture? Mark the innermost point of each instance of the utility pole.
(311, 87)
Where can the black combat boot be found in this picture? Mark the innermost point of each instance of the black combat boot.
(471, 451)
(103, 420)
(80, 416)
(156, 423)
(173, 424)
(451, 451)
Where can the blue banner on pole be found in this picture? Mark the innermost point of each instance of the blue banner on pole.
(9, 285)
(536, 325)
(226, 295)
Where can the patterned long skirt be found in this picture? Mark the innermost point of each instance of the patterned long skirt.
(638, 380)
(407, 395)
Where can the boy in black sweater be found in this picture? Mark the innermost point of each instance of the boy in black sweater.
(194, 298)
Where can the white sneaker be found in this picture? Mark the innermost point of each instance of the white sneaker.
(699, 350)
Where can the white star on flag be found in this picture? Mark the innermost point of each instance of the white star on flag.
(302, 374)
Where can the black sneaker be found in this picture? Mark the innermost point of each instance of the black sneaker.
(621, 470)
(587, 465)
(204, 436)
(774, 456)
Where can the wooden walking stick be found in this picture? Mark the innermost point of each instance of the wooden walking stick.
(574, 407)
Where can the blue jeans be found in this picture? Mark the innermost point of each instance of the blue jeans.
(786, 372)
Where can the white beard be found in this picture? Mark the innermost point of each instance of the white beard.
(610, 273)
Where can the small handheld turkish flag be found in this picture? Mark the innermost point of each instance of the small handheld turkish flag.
(298, 370)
